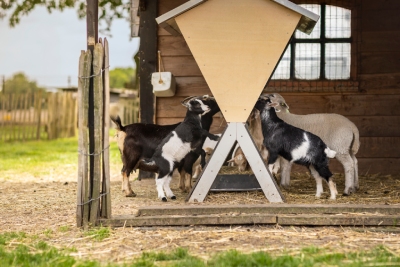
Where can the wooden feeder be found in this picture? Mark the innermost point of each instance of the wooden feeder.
(237, 45)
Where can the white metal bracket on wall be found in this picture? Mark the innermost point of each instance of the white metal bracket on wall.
(236, 131)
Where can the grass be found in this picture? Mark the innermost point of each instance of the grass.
(19, 249)
(43, 157)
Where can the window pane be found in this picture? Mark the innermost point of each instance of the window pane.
(307, 61)
(338, 22)
(316, 32)
(337, 61)
(282, 71)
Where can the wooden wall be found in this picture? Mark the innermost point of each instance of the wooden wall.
(371, 99)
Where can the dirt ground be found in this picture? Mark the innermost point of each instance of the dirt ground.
(43, 206)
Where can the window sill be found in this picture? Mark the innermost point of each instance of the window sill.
(312, 86)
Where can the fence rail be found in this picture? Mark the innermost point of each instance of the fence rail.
(38, 115)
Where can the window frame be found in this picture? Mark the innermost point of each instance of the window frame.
(324, 85)
(322, 41)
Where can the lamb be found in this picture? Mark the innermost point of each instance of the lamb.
(239, 158)
(172, 150)
(338, 132)
(295, 145)
(139, 140)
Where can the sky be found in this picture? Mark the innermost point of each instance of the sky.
(46, 47)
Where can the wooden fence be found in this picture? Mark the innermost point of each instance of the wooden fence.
(38, 115)
(93, 194)
(130, 110)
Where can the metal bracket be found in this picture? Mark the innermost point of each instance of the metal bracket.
(236, 131)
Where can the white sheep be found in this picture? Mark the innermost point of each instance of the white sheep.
(338, 132)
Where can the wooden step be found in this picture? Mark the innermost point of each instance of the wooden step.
(281, 214)
(269, 209)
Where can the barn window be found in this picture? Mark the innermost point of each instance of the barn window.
(322, 55)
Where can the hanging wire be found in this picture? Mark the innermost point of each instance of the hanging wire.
(94, 75)
(93, 199)
(94, 154)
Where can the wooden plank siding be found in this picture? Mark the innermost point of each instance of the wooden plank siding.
(372, 103)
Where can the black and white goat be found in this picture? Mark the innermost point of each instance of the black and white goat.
(173, 149)
(295, 145)
(140, 140)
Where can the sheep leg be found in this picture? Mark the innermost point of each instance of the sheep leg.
(356, 184)
(167, 188)
(286, 167)
(348, 165)
(332, 188)
(126, 186)
(318, 180)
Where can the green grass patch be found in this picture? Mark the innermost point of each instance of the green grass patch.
(43, 157)
(18, 249)
(99, 233)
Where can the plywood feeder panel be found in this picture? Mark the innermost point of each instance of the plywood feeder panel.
(237, 45)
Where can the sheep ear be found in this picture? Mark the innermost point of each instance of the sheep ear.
(274, 105)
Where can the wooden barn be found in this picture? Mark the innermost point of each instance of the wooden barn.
(349, 64)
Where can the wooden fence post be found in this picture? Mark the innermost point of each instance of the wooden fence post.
(82, 213)
(106, 199)
(98, 119)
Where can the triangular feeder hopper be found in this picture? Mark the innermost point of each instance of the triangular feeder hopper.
(237, 44)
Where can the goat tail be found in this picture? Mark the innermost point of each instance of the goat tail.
(117, 120)
(330, 153)
(147, 165)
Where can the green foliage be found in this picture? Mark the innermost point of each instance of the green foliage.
(20, 83)
(18, 249)
(108, 9)
(98, 234)
(43, 157)
(122, 78)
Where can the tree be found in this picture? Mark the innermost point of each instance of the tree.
(122, 78)
(19, 83)
(108, 9)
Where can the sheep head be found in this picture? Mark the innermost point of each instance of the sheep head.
(278, 99)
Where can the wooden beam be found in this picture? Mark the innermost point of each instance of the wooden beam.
(147, 64)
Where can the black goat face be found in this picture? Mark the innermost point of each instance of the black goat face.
(197, 106)
(262, 103)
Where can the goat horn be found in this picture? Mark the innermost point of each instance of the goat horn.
(187, 99)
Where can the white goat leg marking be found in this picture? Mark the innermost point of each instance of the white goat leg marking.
(167, 189)
(175, 150)
(318, 180)
(270, 167)
(160, 184)
(301, 151)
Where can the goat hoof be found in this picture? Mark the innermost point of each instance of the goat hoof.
(131, 194)
(173, 197)
(164, 199)
(286, 187)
